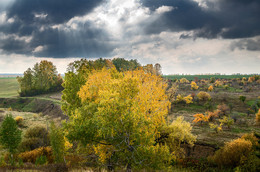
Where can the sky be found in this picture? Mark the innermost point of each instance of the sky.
(184, 36)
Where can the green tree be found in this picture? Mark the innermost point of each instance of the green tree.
(26, 82)
(173, 135)
(10, 135)
(242, 98)
(122, 64)
(41, 79)
(57, 143)
(76, 76)
(46, 75)
(121, 115)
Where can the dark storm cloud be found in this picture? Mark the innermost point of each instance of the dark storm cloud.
(227, 19)
(30, 15)
(86, 41)
(58, 11)
(12, 45)
(247, 44)
(36, 18)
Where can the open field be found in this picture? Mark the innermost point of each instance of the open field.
(9, 87)
(191, 77)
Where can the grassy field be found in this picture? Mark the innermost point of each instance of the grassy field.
(191, 77)
(8, 87)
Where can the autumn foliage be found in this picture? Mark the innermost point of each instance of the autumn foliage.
(182, 99)
(200, 118)
(31, 156)
(232, 153)
(203, 96)
(120, 116)
(194, 86)
(210, 88)
(184, 81)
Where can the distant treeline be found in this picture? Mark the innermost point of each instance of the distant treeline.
(191, 77)
(43, 78)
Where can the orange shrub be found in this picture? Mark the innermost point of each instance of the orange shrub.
(210, 88)
(31, 156)
(223, 109)
(232, 153)
(19, 120)
(251, 79)
(199, 117)
(212, 115)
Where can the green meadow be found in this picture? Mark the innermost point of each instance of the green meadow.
(9, 87)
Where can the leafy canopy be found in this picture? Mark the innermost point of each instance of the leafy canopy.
(121, 115)
(10, 135)
(42, 78)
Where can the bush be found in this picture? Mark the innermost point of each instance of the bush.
(217, 83)
(173, 135)
(31, 156)
(35, 137)
(199, 117)
(215, 127)
(29, 144)
(252, 138)
(212, 115)
(223, 109)
(203, 96)
(37, 131)
(19, 121)
(182, 99)
(254, 107)
(232, 153)
(210, 88)
(184, 80)
(194, 86)
(257, 117)
(226, 121)
(41, 160)
(212, 79)
(252, 164)
(242, 98)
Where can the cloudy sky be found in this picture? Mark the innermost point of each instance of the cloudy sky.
(184, 36)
